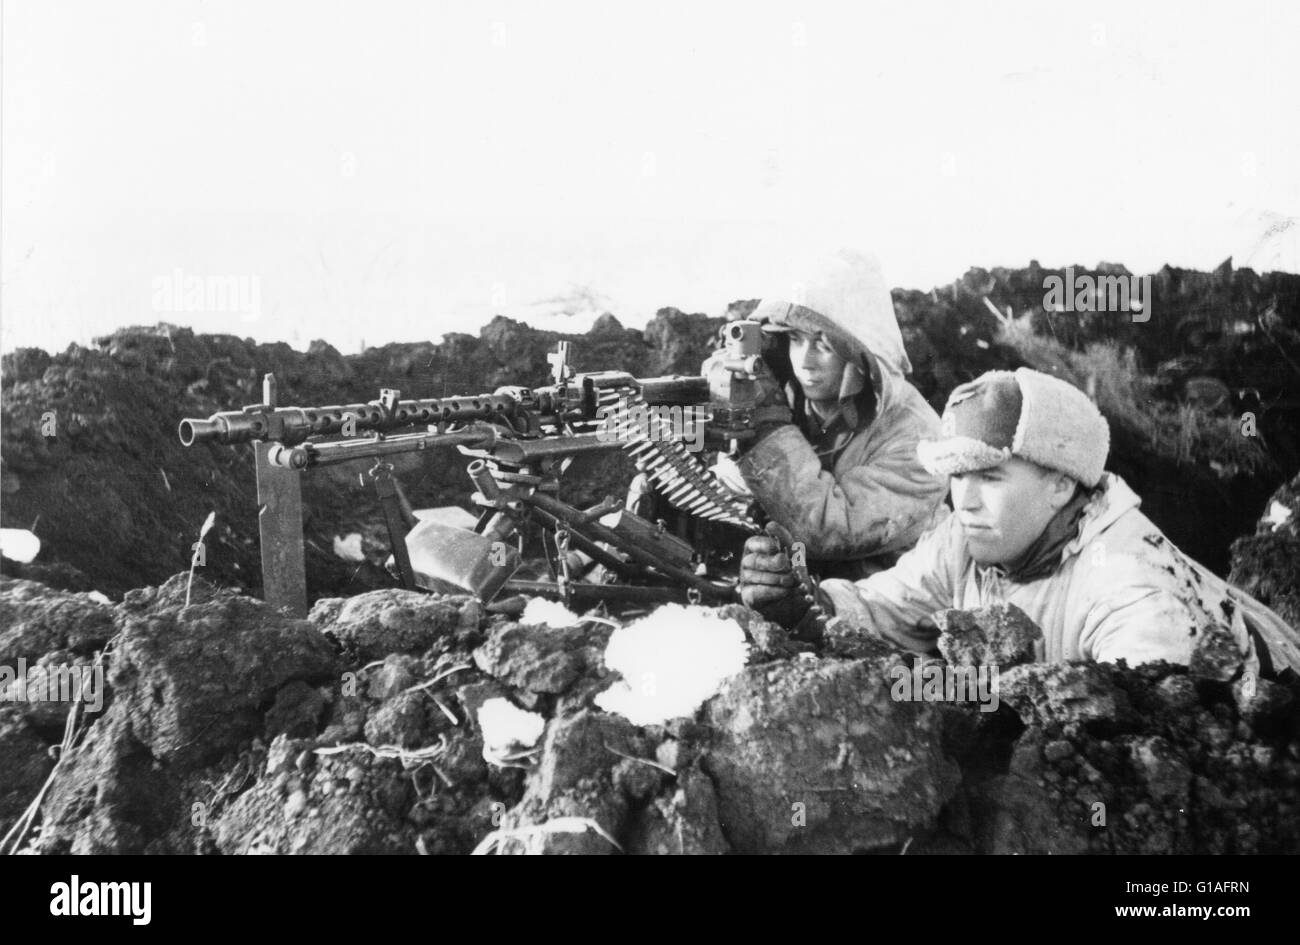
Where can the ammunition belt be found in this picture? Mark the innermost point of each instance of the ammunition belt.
(686, 482)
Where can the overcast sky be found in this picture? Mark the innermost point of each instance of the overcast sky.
(385, 171)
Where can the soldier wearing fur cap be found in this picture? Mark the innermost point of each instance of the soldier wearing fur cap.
(1038, 523)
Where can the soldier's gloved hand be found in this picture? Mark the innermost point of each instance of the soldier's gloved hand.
(767, 391)
(767, 582)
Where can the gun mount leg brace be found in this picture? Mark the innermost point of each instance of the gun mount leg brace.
(279, 524)
(386, 487)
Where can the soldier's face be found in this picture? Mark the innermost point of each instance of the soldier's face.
(1004, 509)
(817, 368)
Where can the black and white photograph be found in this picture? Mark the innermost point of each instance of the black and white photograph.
(481, 427)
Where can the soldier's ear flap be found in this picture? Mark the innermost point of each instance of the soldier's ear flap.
(1063, 488)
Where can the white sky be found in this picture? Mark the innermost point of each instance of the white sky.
(394, 170)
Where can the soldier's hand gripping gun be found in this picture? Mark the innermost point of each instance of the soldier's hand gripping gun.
(520, 441)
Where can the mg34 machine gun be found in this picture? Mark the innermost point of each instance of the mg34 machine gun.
(518, 441)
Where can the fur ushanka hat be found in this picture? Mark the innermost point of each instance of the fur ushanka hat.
(1023, 413)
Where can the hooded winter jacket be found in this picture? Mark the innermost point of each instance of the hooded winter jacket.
(858, 497)
(1121, 591)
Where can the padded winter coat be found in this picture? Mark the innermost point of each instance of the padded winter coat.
(1122, 591)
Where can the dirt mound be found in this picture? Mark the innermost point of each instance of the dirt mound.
(1267, 563)
(27, 763)
(813, 756)
(1151, 760)
(187, 686)
(36, 620)
(229, 728)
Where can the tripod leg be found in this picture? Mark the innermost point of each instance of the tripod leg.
(386, 488)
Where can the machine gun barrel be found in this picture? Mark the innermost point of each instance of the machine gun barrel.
(291, 425)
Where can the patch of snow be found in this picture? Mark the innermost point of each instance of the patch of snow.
(508, 728)
(18, 544)
(349, 549)
(541, 612)
(1278, 515)
(451, 515)
(671, 662)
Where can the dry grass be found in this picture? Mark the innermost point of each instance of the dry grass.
(74, 727)
(497, 839)
(1110, 374)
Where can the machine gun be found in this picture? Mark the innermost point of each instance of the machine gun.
(519, 442)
